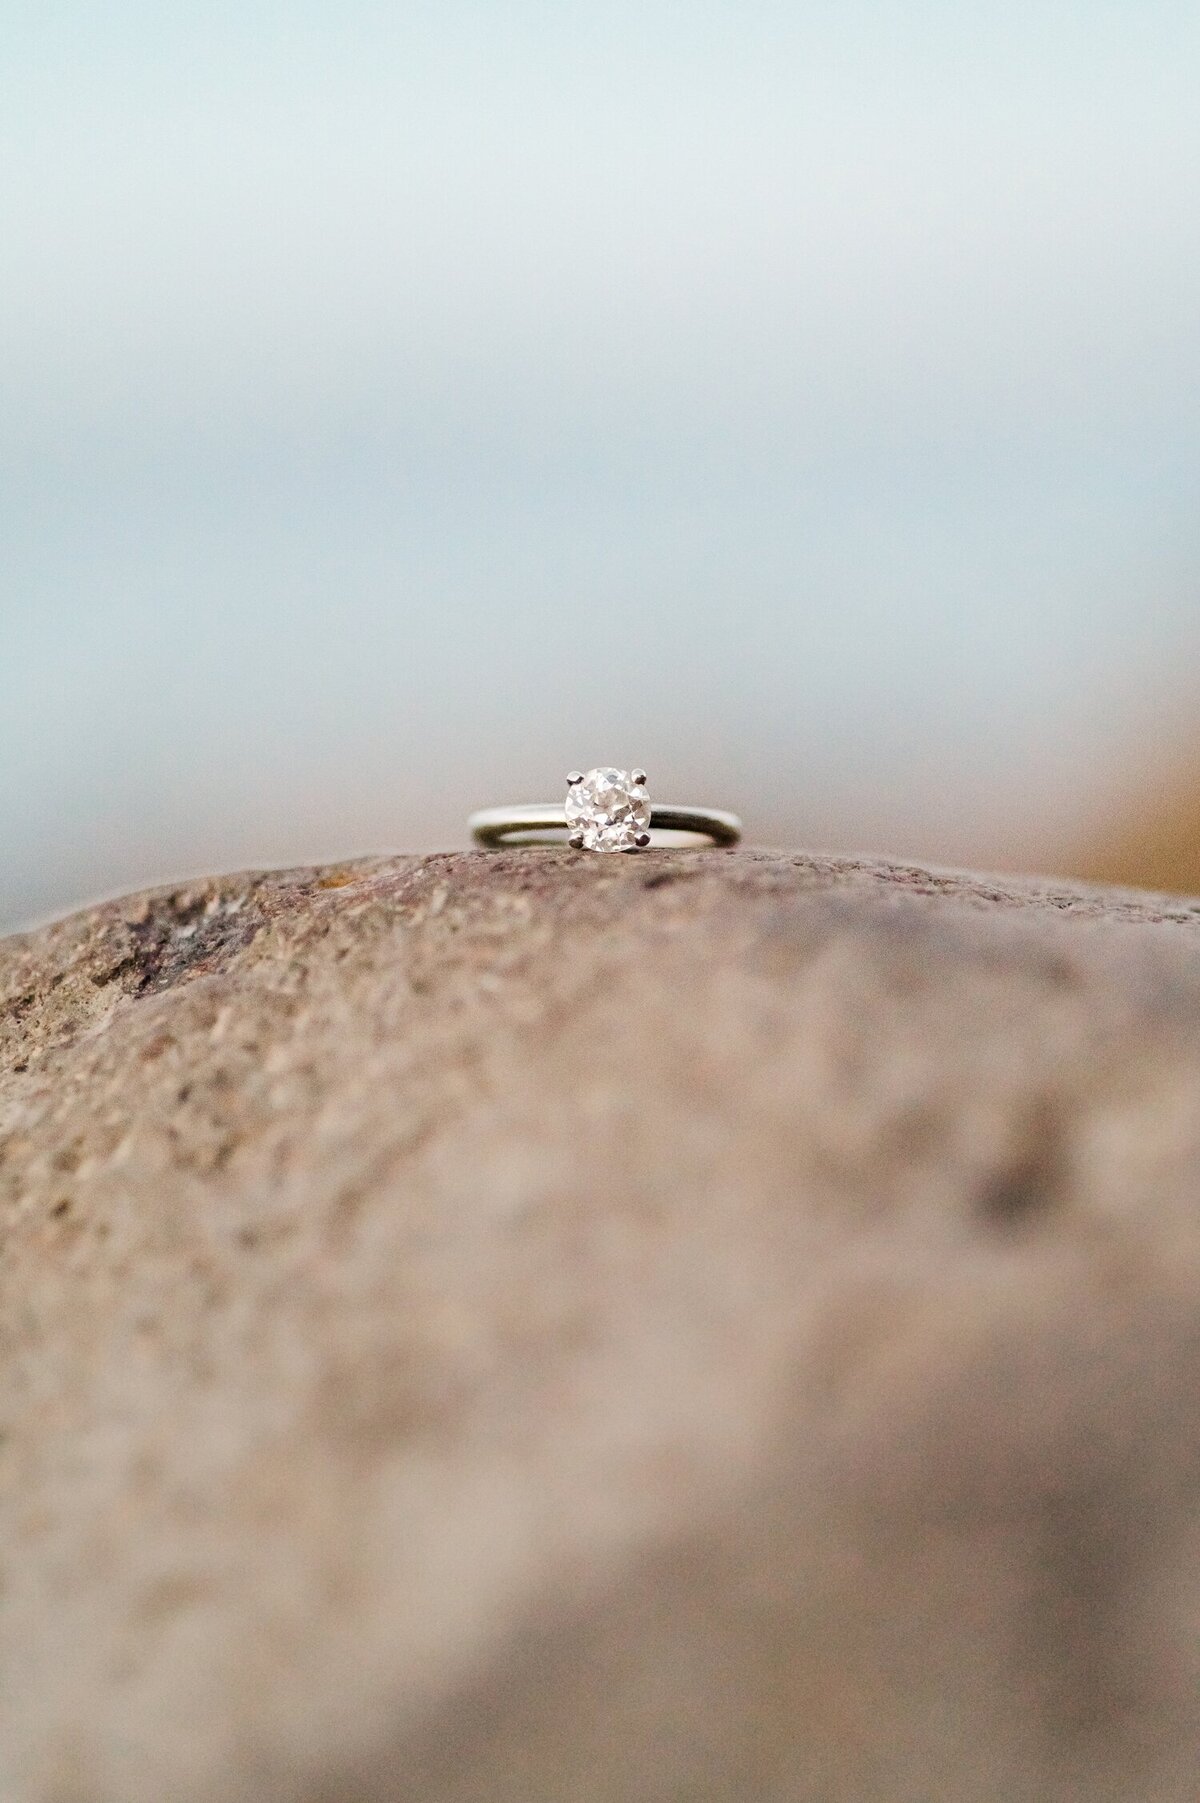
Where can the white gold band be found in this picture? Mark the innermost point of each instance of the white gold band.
(494, 827)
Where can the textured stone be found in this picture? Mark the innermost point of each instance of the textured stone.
(753, 1356)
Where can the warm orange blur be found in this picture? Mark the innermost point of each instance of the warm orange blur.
(1155, 842)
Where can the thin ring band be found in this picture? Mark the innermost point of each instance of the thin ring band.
(492, 827)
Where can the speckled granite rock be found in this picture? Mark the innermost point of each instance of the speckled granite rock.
(536, 1327)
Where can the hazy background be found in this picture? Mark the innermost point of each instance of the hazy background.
(401, 404)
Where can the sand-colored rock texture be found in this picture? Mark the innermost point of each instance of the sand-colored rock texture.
(543, 1328)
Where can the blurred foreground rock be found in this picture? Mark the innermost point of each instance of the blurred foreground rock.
(540, 1328)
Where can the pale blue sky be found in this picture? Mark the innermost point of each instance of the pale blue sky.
(401, 404)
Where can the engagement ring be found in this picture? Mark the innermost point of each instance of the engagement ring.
(605, 810)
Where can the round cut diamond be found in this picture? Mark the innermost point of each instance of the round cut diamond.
(608, 809)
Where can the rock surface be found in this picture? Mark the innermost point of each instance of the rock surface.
(554, 1329)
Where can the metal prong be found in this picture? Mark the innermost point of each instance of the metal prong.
(573, 777)
(575, 841)
(639, 778)
(642, 840)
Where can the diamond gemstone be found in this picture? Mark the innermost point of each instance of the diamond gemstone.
(609, 809)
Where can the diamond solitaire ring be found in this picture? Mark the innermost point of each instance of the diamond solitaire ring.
(605, 810)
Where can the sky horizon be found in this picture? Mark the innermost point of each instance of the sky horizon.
(397, 409)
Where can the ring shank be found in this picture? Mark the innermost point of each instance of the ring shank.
(494, 827)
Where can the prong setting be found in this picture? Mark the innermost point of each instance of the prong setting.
(607, 810)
